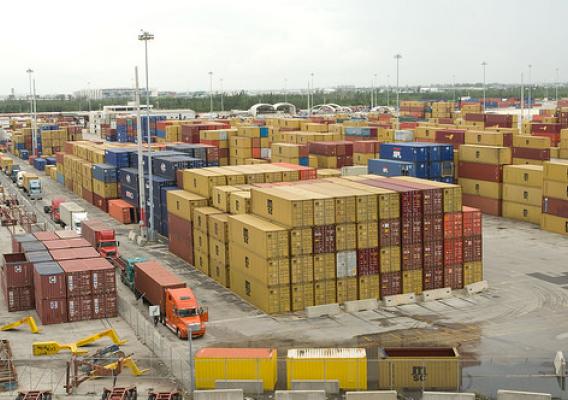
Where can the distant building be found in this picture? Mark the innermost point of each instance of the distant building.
(110, 93)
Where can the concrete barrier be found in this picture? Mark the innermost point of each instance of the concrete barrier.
(361, 305)
(476, 287)
(513, 395)
(140, 241)
(252, 386)
(329, 386)
(399, 300)
(323, 310)
(132, 235)
(218, 394)
(447, 396)
(436, 294)
(372, 395)
(299, 395)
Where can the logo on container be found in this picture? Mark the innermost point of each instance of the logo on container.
(163, 167)
(52, 279)
(396, 153)
(128, 179)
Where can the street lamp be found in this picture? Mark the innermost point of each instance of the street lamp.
(190, 329)
(388, 90)
(145, 37)
(313, 89)
(222, 105)
(397, 57)
(285, 90)
(483, 65)
(141, 186)
(373, 91)
(33, 110)
(556, 85)
(454, 88)
(210, 92)
(530, 88)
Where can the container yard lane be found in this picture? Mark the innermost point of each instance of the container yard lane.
(511, 332)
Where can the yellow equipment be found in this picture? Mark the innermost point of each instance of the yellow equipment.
(52, 347)
(126, 362)
(26, 320)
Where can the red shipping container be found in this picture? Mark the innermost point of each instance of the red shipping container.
(77, 277)
(391, 283)
(453, 276)
(366, 146)
(88, 196)
(453, 225)
(411, 230)
(17, 241)
(531, 154)
(472, 223)
(17, 271)
(52, 311)
(554, 206)
(367, 261)
(433, 255)
(484, 172)
(432, 198)
(452, 136)
(72, 254)
(49, 281)
(472, 248)
(433, 227)
(180, 235)
(453, 252)
(179, 178)
(547, 128)
(46, 235)
(389, 232)
(66, 244)
(411, 256)
(105, 306)
(433, 278)
(100, 202)
(79, 308)
(102, 276)
(475, 117)
(18, 298)
(323, 238)
(485, 204)
(151, 279)
(67, 234)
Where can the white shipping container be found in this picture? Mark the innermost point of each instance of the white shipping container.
(404, 136)
(346, 264)
(265, 153)
(354, 170)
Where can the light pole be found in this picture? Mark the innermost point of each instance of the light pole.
(556, 85)
(373, 91)
(32, 109)
(222, 105)
(309, 108)
(191, 369)
(145, 37)
(89, 97)
(397, 57)
(454, 88)
(313, 89)
(210, 92)
(141, 189)
(285, 90)
(388, 90)
(529, 100)
(483, 65)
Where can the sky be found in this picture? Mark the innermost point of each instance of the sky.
(255, 45)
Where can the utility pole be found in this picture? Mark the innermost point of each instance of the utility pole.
(210, 92)
(222, 103)
(530, 89)
(285, 90)
(313, 89)
(141, 189)
(522, 102)
(484, 65)
(32, 110)
(397, 58)
(145, 37)
(557, 82)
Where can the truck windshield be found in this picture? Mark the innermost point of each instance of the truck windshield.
(187, 312)
(108, 244)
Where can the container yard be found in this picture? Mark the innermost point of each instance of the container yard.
(387, 226)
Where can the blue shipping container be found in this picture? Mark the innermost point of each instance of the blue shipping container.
(410, 152)
(166, 167)
(390, 168)
(105, 173)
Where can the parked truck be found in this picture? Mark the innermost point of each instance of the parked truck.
(126, 267)
(53, 209)
(14, 173)
(101, 236)
(179, 309)
(32, 186)
(71, 216)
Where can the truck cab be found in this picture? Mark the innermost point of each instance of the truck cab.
(183, 310)
(126, 267)
(20, 179)
(107, 245)
(54, 209)
(14, 173)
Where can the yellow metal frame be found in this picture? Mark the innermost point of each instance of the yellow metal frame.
(52, 347)
(26, 320)
(130, 364)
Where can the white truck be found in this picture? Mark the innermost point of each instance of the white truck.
(71, 216)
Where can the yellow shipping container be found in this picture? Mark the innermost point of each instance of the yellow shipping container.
(201, 261)
(202, 181)
(369, 287)
(200, 241)
(346, 289)
(302, 296)
(558, 190)
(301, 241)
(325, 292)
(535, 142)
(522, 195)
(348, 366)
(201, 216)
(182, 203)
(389, 259)
(473, 271)
(220, 271)
(486, 138)
(367, 235)
(259, 236)
(219, 227)
(523, 175)
(492, 190)
(324, 267)
(105, 190)
(556, 170)
(412, 281)
(292, 209)
(419, 368)
(301, 269)
(240, 202)
(270, 299)
(268, 272)
(218, 250)
(555, 224)
(212, 364)
(346, 237)
(485, 154)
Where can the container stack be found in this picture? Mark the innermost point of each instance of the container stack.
(105, 185)
(555, 197)
(481, 176)
(365, 150)
(442, 109)
(290, 153)
(358, 133)
(522, 192)
(219, 261)
(533, 150)
(17, 282)
(472, 253)
(336, 154)
(563, 152)
(201, 216)
(220, 139)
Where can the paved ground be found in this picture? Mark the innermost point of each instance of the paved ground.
(508, 335)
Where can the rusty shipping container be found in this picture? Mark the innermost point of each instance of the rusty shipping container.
(368, 261)
(433, 277)
(49, 281)
(453, 276)
(151, 279)
(485, 204)
(45, 235)
(102, 275)
(479, 171)
(66, 244)
(411, 256)
(18, 298)
(433, 227)
(453, 252)
(73, 254)
(180, 234)
(472, 249)
(79, 308)
(17, 241)
(17, 270)
(432, 197)
(453, 225)
(391, 283)
(324, 239)
(433, 254)
(389, 232)
(472, 224)
(51, 311)
(105, 306)
(77, 278)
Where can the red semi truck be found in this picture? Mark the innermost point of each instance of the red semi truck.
(101, 236)
(179, 308)
(53, 209)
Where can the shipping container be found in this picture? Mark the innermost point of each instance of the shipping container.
(105, 305)
(347, 366)
(270, 299)
(151, 280)
(17, 241)
(49, 281)
(214, 363)
(79, 308)
(419, 368)
(266, 239)
(77, 278)
(74, 253)
(17, 270)
(45, 235)
(28, 247)
(52, 310)
(19, 298)
(67, 243)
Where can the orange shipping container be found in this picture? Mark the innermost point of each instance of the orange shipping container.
(122, 211)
